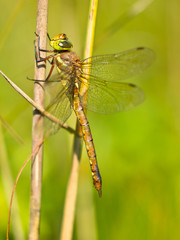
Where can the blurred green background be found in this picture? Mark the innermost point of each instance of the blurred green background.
(138, 151)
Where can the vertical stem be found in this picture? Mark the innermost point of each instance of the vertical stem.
(71, 194)
(37, 136)
(91, 29)
(173, 51)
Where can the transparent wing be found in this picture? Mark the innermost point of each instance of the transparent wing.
(60, 103)
(110, 97)
(119, 66)
(105, 93)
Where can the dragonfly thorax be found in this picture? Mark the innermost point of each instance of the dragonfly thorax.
(69, 63)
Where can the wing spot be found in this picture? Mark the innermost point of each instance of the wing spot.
(140, 48)
(132, 85)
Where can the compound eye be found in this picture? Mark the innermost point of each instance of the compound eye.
(65, 44)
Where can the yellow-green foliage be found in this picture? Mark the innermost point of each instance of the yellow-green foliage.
(138, 151)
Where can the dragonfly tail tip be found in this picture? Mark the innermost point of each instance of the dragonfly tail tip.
(100, 193)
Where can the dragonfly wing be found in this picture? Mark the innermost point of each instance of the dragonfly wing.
(119, 66)
(110, 97)
(60, 103)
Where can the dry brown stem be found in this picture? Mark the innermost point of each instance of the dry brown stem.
(37, 136)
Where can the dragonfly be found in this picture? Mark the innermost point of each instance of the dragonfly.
(94, 83)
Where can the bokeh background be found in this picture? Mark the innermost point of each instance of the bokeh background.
(138, 151)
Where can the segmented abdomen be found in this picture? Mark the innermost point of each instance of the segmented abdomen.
(88, 141)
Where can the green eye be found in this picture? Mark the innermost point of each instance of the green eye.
(65, 44)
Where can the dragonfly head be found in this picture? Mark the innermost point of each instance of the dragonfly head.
(61, 43)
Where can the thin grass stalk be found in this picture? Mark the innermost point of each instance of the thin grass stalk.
(71, 194)
(37, 106)
(37, 136)
(5, 31)
(137, 8)
(16, 181)
(12, 132)
(173, 65)
(7, 181)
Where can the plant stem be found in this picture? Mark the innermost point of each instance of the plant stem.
(37, 106)
(37, 136)
(71, 194)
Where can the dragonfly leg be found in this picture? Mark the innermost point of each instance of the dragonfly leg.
(44, 59)
(48, 37)
(37, 56)
(50, 72)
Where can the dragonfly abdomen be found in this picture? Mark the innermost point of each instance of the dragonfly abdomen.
(88, 141)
